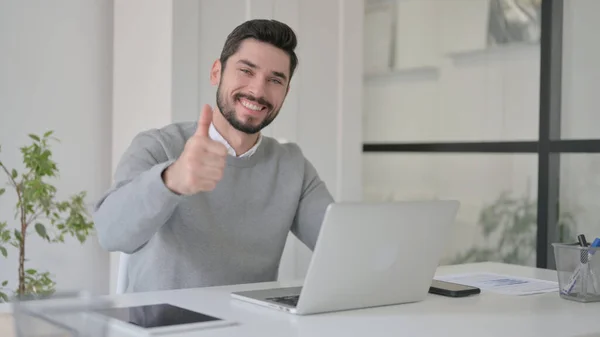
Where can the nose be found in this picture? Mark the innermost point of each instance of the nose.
(256, 87)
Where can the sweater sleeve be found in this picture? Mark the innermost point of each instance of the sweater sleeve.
(311, 210)
(139, 203)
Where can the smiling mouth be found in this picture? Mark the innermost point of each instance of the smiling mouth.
(251, 105)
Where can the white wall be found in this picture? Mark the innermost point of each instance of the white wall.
(55, 63)
(185, 82)
(142, 70)
(581, 52)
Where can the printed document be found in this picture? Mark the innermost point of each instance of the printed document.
(502, 284)
(6, 325)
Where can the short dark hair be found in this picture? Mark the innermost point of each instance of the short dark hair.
(273, 32)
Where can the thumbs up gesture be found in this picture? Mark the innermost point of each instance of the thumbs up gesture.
(200, 166)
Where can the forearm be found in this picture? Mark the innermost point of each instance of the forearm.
(132, 212)
(312, 207)
(310, 216)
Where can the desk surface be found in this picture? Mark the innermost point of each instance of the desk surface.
(487, 314)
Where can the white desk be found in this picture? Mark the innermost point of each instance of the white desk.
(487, 314)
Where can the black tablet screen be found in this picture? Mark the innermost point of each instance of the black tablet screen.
(157, 315)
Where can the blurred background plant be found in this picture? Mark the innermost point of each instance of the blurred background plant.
(37, 211)
(509, 229)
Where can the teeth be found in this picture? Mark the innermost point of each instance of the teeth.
(251, 106)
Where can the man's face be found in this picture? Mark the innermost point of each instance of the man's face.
(252, 86)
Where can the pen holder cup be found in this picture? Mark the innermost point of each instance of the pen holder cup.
(578, 270)
(59, 315)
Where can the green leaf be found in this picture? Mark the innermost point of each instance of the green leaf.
(48, 133)
(80, 237)
(41, 230)
(3, 297)
(14, 173)
(18, 235)
(31, 271)
(34, 137)
(2, 190)
(4, 283)
(3, 251)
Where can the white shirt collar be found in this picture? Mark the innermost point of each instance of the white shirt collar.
(216, 136)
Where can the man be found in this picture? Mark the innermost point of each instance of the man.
(211, 202)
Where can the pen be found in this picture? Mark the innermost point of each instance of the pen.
(582, 241)
(594, 244)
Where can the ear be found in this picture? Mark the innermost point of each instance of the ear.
(287, 90)
(215, 73)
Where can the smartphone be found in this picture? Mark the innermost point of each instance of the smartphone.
(452, 289)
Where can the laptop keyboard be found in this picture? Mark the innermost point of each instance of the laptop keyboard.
(288, 300)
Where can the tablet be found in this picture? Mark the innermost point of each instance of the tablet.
(159, 319)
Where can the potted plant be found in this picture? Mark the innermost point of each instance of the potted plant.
(37, 211)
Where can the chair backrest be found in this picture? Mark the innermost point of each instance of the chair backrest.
(122, 273)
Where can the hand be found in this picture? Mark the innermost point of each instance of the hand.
(201, 164)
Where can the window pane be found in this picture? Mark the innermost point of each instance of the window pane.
(580, 195)
(497, 220)
(581, 52)
(444, 71)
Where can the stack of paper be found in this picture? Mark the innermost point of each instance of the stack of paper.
(502, 284)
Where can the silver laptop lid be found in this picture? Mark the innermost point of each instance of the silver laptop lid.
(372, 254)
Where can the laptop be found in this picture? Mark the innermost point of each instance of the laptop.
(368, 255)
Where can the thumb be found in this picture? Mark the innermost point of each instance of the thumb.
(204, 121)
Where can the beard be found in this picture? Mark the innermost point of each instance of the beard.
(228, 111)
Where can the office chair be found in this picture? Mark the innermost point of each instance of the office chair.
(122, 273)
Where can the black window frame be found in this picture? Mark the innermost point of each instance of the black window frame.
(549, 145)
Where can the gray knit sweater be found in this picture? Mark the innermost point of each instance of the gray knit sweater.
(233, 234)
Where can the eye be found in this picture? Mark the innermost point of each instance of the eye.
(276, 80)
(246, 71)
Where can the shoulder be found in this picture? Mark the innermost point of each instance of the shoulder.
(175, 132)
(290, 155)
(169, 137)
(284, 150)
(292, 159)
(160, 144)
